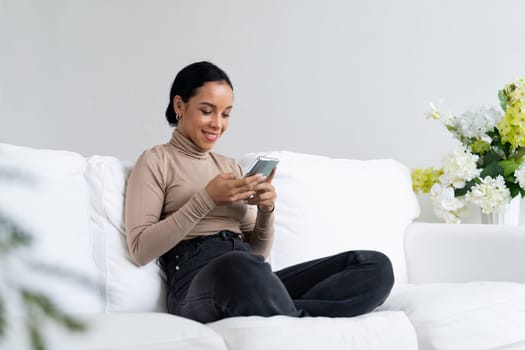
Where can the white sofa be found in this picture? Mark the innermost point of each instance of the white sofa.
(457, 287)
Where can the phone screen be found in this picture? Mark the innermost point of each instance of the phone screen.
(262, 165)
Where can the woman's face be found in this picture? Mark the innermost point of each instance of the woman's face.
(204, 118)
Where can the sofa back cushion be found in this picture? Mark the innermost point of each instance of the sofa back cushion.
(44, 193)
(325, 206)
(128, 287)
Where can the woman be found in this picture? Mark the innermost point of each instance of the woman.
(212, 229)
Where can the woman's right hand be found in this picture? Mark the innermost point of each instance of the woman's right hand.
(227, 188)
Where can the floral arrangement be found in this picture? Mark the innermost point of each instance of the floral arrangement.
(487, 169)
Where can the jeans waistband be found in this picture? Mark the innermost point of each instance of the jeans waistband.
(224, 234)
(192, 243)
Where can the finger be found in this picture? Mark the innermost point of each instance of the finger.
(256, 178)
(272, 174)
(264, 187)
(228, 176)
(248, 184)
(251, 201)
(266, 198)
(265, 205)
(263, 198)
(246, 197)
(254, 198)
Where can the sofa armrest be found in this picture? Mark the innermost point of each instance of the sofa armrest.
(466, 252)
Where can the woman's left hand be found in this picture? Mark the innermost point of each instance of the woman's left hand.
(265, 196)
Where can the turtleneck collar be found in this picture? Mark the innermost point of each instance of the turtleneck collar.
(186, 146)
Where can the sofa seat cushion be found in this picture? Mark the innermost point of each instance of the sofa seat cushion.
(376, 330)
(112, 331)
(463, 316)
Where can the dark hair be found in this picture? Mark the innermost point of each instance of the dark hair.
(189, 79)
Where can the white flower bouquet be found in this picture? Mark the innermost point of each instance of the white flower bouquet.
(487, 169)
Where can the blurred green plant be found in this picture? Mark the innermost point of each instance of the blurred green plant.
(38, 307)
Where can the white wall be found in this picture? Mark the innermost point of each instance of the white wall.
(339, 78)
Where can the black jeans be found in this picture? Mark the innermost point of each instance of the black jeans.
(214, 277)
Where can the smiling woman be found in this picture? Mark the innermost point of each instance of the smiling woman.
(211, 228)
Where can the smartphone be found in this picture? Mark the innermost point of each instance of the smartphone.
(262, 165)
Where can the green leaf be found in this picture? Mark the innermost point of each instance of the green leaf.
(15, 237)
(506, 147)
(2, 317)
(514, 189)
(458, 192)
(501, 149)
(73, 324)
(509, 166)
(510, 179)
(463, 191)
(520, 152)
(490, 157)
(493, 134)
(37, 341)
(492, 170)
(502, 100)
(44, 304)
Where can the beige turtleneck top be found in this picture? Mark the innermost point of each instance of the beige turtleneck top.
(166, 201)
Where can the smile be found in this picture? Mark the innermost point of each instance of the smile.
(211, 136)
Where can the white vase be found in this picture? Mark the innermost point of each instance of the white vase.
(508, 215)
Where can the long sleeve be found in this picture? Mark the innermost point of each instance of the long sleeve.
(261, 238)
(258, 227)
(148, 236)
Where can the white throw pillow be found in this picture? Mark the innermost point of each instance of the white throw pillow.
(47, 197)
(326, 206)
(128, 286)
